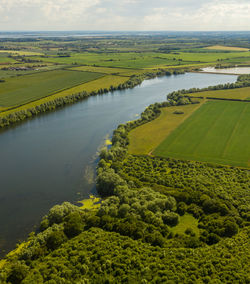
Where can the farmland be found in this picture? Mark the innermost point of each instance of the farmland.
(107, 70)
(114, 59)
(103, 82)
(229, 48)
(217, 132)
(146, 60)
(238, 94)
(144, 139)
(20, 90)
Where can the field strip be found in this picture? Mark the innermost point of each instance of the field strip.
(234, 131)
(210, 130)
(192, 121)
(239, 93)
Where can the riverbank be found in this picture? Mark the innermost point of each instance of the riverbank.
(60, 99)
(52, 155)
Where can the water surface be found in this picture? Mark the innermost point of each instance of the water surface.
(234, 70)
(51, 158)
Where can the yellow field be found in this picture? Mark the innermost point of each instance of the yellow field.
(145, 138)
(240, 93)
(103, 82)
(21, 52)
(108, 70)
(229, 48)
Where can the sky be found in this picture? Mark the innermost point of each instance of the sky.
(125, 15)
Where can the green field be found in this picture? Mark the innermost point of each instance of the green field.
(239, 94)
(20, 90)
(120, 60)
(5, 59)
(136, 60)
(108, 70)
(218, 132)
(145, 138)
(187, 221)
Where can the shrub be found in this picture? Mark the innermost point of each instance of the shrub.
(55, 240)
(170, 218)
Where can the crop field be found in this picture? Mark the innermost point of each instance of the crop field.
(229, 48)
(239, 94)
(33, 69)
(148, 59)
(5, 59)
(120, 60)
(218, 132)
(20, 52)
(103, 82)
(107, 70)
(20, 90)
(145, 138)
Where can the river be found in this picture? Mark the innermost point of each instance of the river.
(51, 158)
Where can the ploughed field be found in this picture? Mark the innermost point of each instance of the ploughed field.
(218, 132)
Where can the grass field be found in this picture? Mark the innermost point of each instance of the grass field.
(239, 94)
(145, 138)
(107, 70)
(218, 132)
(20, 90)
(186, 221)
(229, 48)
(5, 59)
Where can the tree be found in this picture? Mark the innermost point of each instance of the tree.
(107, 181)
(55, 240)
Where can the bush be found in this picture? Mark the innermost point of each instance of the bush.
(230, 228)
(73, 225)
(181, 208)
(55, 240)
(170, 218)
(18, 272)
(178, 112)
(107, 181)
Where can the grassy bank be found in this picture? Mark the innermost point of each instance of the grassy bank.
(238, 94)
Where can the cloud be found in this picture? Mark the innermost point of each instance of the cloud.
(124, 15)
(216, 15)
